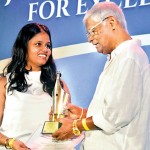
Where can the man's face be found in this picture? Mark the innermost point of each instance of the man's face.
(100, 35)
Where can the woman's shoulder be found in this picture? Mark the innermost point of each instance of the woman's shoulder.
(3, 80)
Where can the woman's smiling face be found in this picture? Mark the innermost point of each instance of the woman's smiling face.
(38, 51)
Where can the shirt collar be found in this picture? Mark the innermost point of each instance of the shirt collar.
(118, 49)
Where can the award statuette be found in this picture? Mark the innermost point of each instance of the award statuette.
(60, 98)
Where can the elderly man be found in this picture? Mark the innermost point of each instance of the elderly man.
(117, 117)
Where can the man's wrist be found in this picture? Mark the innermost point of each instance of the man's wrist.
(75, 129)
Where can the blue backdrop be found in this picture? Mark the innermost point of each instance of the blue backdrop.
(64, 19)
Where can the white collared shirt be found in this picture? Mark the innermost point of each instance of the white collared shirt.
(120, 105)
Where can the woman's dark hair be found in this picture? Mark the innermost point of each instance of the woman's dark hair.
(16, 67)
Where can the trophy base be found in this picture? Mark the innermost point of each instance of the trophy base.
(50, 127)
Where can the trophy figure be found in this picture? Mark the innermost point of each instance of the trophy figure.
(60, 99)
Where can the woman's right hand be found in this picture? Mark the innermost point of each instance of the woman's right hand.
(18, 145)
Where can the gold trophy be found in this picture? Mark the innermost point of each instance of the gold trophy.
(60, 98)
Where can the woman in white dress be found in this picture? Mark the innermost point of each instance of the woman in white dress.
(27, 85)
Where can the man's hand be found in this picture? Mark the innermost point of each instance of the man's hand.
(65, 131)
(74, 112)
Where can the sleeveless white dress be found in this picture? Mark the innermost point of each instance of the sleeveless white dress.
(24, 112)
